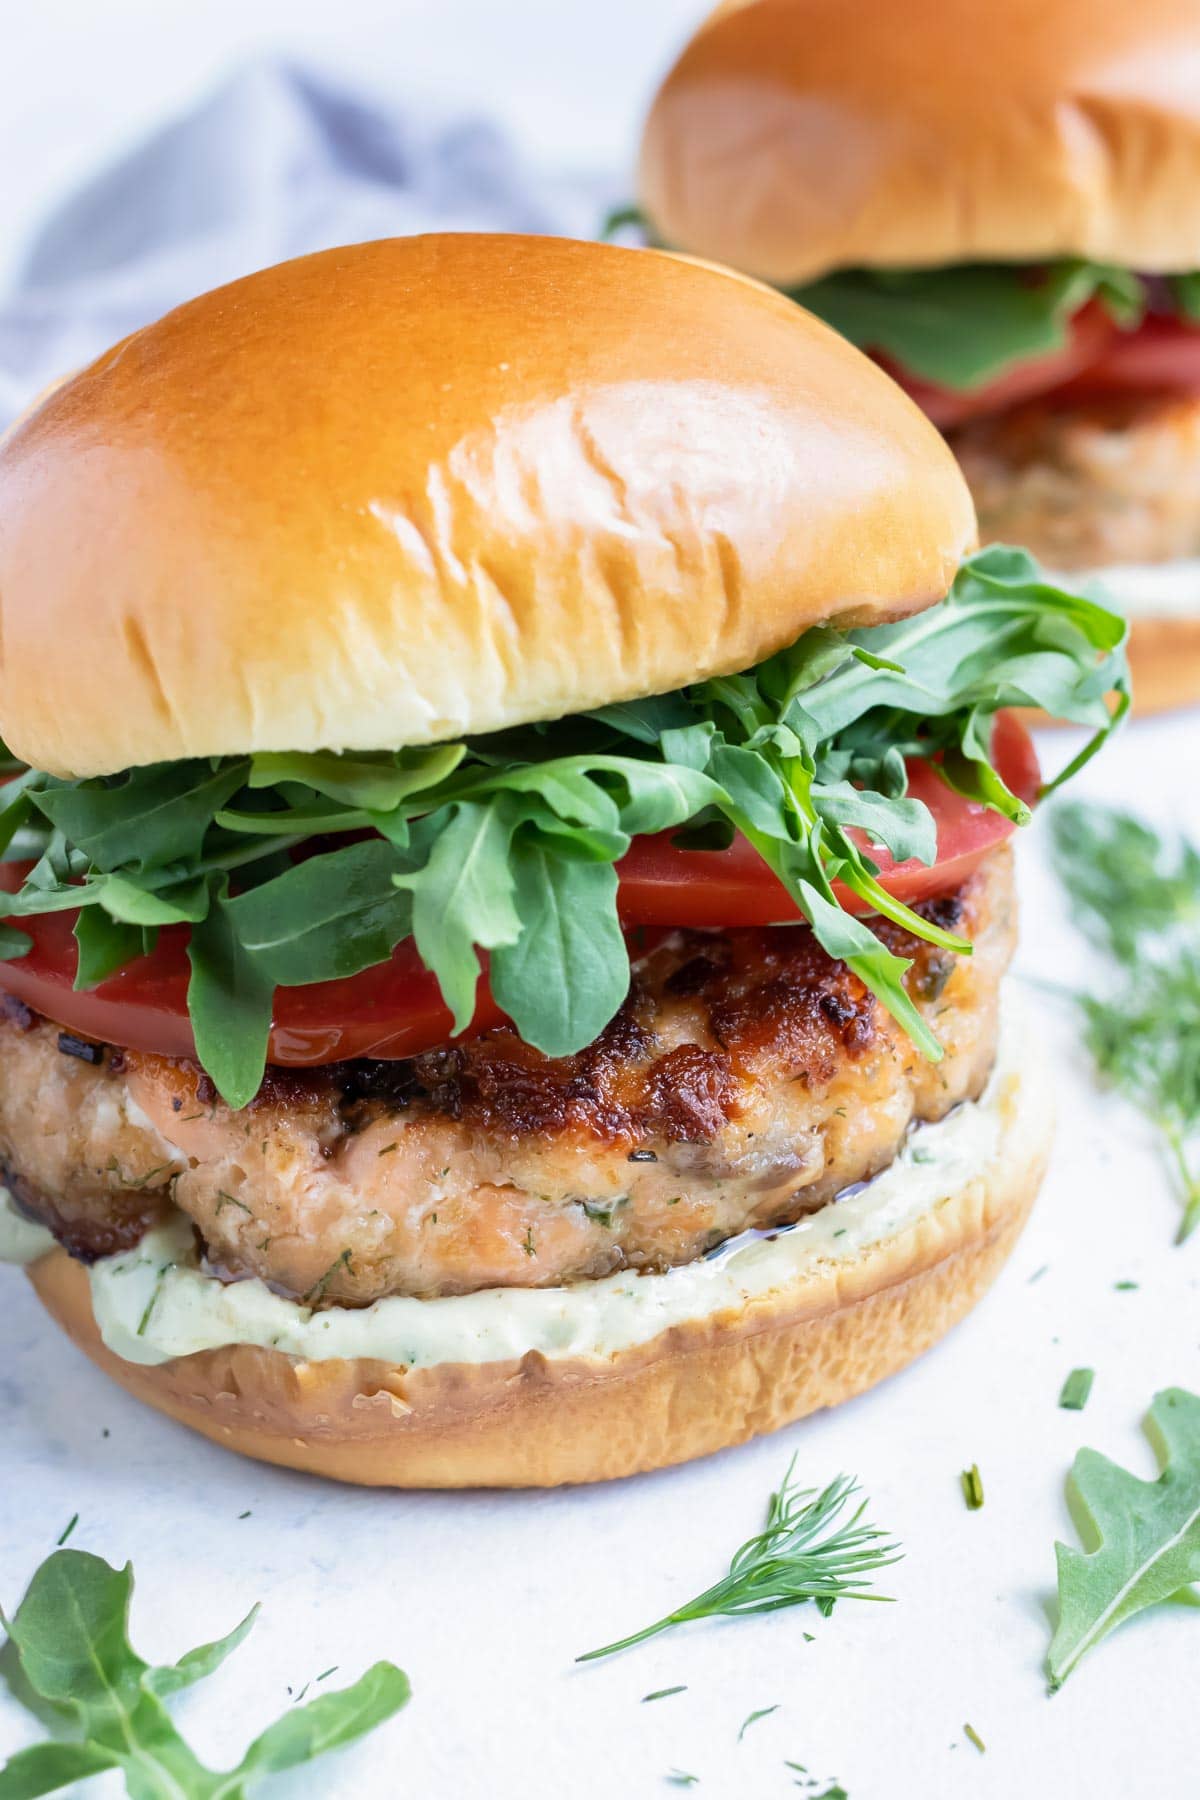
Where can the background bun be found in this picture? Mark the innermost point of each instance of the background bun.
(694, 1389)
(396, 492)
(797, 136)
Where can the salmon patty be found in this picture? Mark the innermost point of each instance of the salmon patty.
(1116, 481)
(748, 1078)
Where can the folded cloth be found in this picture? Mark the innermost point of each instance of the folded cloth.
(277, 162)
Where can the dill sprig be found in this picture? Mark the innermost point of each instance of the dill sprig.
(807, 1550)
(1137, 897)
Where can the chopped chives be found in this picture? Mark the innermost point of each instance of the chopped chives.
(975, 1738)
(972, 1487)
(1076, 1389)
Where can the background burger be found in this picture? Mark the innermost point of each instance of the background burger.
(1001, 204)
(511, 888)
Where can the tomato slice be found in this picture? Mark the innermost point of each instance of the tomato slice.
(1092, 335)
(396, 1009)
(1161, 356)
(663, 885)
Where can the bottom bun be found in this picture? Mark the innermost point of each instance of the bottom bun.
(1164, 660)
(831, 1330)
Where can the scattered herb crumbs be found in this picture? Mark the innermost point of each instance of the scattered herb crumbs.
(1125, 1287)
(244, 1515)
(836, 1792)
(809, 1638)
(1037, 1274)
(299, 1697)
(763, 1712)
(970, 1732)
(801, 1768)
(388, 1148)
(529, 1247)
(805, 1551)
(1076, 1389)
(68, 1529)
(921, 1155)
(664, 1693)
(681, 1778)
(972, 1487)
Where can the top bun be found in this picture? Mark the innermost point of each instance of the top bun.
(797, 136)
(406, 490)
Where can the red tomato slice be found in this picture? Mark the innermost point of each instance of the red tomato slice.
(396, 1009)
(393, 1010)
(1162, 356)
(1091, 337)
(663, 885)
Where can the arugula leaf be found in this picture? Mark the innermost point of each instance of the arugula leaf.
(328, 917)
(463, 896)
(1142, 1537)
(964, 324)
(1186, 291)
(507, 843)
(149, 816)
(230, 1000)
(1137, 896)
(71, 1635)
(566, 973)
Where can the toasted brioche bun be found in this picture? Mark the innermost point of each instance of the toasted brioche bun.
(797, 136)
(406, 490)
(1164, 662)
(695, 1388)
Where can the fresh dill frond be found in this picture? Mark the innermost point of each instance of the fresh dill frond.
(1137, 896)
(809, 1549)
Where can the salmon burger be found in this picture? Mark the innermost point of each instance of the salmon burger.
(1001, 204)
(509, 882)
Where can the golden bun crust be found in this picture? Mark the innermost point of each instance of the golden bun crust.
(1164, 661)
(797, 136)
(401, 491)
(694, 1389)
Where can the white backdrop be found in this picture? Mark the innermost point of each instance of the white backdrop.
(485, 1599)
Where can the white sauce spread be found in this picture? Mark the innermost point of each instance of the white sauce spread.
(1166, 590)
(155, 1303)
(21, 1241)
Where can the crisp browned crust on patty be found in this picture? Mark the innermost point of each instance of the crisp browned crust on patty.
(1087, 486)
(749, 1077)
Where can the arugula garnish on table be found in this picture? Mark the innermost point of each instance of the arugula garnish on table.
(1142, 1538)
(809, 1549)
(71, 1639)
(1137, 896)
(508, 843)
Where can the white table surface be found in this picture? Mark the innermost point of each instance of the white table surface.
(485, 1599)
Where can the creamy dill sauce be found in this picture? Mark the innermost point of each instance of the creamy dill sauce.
(1142, 590)
(21, 1241)
(155, 1303)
